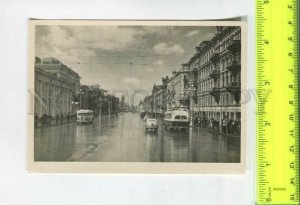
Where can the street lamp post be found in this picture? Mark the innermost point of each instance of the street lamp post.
(100, 100)
(192, 92)
(109, 108)
(80, 93)
(72, 108)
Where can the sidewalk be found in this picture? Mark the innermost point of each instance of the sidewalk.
(217, 131)
(53, 122)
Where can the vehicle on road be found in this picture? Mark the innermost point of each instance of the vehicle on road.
(142, 114)
(85, 116)
(151, 124)
(177, 119)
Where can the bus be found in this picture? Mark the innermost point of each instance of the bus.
(177, 119)
(85, 116)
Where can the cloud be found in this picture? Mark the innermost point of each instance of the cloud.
(165, 49)
(192, 33)
(159, 62)
(84, 40)
(60, 42)
(109, 38)
(149, 70)
(131, 80)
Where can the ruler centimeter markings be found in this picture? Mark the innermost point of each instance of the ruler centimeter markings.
(277, 104)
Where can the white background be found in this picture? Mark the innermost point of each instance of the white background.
(19, 187)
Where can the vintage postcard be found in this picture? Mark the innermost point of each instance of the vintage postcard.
(137, 96)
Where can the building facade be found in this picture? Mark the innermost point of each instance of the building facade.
(178, 88)
(216, 74)
(159, 97)
(209, 83)
(55, 88)
(148, 104)
(156, 102)
(157, 93)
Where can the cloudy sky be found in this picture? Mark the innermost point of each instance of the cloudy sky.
(121, 57)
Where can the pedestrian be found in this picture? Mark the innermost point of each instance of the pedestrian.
(224, 125)
(195, 120)
(233, 127)
(211, 124)
(214, 125)
(217, 127)
(230, 126)
(238, 127)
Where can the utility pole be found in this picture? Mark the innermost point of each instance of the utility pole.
(80, 91)
(192, 92)
(100, 112)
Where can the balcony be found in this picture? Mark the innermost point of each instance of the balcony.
(233, 87)
(234, 46)
(234, 67)
(194, 67)
(214, 74)
(215, 57)
(215, 92)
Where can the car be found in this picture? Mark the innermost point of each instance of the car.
(142, 115)
(151, 124)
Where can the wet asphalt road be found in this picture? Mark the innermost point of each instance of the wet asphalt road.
(123, 139)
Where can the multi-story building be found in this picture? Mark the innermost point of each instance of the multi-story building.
(216, 73)
(159, 97)
(210, 83)
(148, 104)
(55, 87)
(157, 93)
(178, 88)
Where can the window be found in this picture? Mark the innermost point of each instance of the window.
(168, 116)
(85, 114)
(185, 81)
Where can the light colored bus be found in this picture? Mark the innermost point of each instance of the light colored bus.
(85, 116)
(177, 119)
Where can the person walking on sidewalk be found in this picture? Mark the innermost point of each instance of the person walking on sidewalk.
(224, 125)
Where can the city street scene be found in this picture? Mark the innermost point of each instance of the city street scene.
(125, 93)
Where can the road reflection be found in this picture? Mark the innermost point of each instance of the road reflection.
(123, 139)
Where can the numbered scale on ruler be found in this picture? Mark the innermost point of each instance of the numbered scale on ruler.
(277, 105)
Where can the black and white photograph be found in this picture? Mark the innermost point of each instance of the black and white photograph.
(137, 96)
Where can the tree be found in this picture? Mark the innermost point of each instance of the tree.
(93, 97)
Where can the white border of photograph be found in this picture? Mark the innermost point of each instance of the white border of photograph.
(138, 167)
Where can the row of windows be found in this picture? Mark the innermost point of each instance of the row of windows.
(221, 47)
(48, 106)
(224, 63)
(177, 117)
(45, 90)
(225, 99)
(206, 101)
(228, 40)
(205, 86)
(204, 73)
(226, 79)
